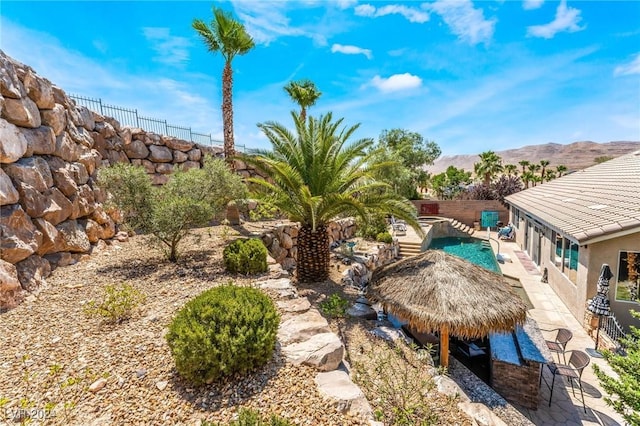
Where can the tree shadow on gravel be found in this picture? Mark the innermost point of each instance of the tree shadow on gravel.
(231, 391)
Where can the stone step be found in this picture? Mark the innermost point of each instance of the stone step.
(324, 351)
(337, 387)
(302, 327)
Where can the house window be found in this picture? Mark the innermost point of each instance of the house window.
(565, 256)
(628, 277)
(515, 218)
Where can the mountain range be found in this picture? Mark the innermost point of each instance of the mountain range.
(575, 156)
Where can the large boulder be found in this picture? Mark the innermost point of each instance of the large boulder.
(87, 120)
(80, 135)
(302, 327)
(90, 160)
(66, 148)
(164, 168)
(10, 288)
(13, 144)
(19, 238)
(32, 272)
(10, 86)
(79, 173)
(136, 149)
(180, 157)
(33, 171)
(194, 155)
(22, 112)
(83, 202)
(39, 90)
(62, 176)
(323, 351)
(92, 229)
(40, 141)
(56, 118)
(74, 239)
(160, 154)
(59, 207)
(177, 144)
(32, 200)
(51, 238)
(8, 192)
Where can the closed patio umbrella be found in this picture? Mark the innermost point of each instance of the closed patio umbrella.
(600, 305)
(436, 291)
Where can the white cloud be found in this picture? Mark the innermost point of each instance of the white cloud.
(345, 4)
(410, 13)
(532, 4)
(464, 20)
(396, 82)
(170, 50)
(567, 19)
(351, 50)
(630, 68)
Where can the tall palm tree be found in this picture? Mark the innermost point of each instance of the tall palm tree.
(561, 169)
(229, 37)
(315, 176)
(490, 164)
(543, 165)
(304, 93)
(527, 177)
(524, 164)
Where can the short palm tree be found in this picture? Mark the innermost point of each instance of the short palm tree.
(524, 164)
(316, 176)
(543, 165)
(511, 169)
(490, 164)
(229, 37)
(304, 93)
(561, 169)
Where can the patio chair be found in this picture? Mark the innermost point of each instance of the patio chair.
(399, 226)
(578, 361)
(559, 344)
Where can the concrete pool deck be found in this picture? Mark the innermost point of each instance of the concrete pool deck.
(550, 313)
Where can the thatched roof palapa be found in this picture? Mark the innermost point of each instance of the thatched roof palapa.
(435, 290)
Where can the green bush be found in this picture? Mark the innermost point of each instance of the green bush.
(249, 417)
(245, 256)
(373, 225)
(223, 331)
(384, 237)
(191, 198)
(118, 303)
(335, 306)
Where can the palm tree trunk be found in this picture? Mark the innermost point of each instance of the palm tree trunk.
(313, 254)
(227, 113)
(303, 114)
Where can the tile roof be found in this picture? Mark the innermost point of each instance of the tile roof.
(591, 203)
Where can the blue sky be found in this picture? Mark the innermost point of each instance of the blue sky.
(471, 76)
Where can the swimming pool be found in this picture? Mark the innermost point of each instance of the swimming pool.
(472, 249)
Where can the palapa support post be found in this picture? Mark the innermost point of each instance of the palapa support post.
(444, 346)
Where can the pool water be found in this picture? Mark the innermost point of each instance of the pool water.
(471, 249)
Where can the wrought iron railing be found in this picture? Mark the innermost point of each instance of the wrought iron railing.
(612, 328)
(130, 117)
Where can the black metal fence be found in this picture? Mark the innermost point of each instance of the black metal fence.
(130, 117)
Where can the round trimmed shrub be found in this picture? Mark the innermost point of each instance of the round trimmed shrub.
(245, 256)
(222, 331)
(384, 237)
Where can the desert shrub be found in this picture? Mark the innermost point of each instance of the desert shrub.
(249, 417)
(118, 303)
(191, 198)
(372, 226)
(245, 256)
(222, 331)
(334, 306)
(384, 237)
(264, 210)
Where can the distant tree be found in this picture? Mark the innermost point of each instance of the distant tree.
(490, 165)
(511, 169)
(524, 164)
(229, 37)
(561, 169)
(403, 155)
(451, 183)
(527, 178)
(304, 93)
(536, 179)
(481, 191)
(624, 388)
(549, 175)
(602, 159)
(507, 185)
(543, 165)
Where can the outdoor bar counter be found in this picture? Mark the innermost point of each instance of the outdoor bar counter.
(516, 361)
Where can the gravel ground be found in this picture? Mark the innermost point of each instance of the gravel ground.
(51, 352)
